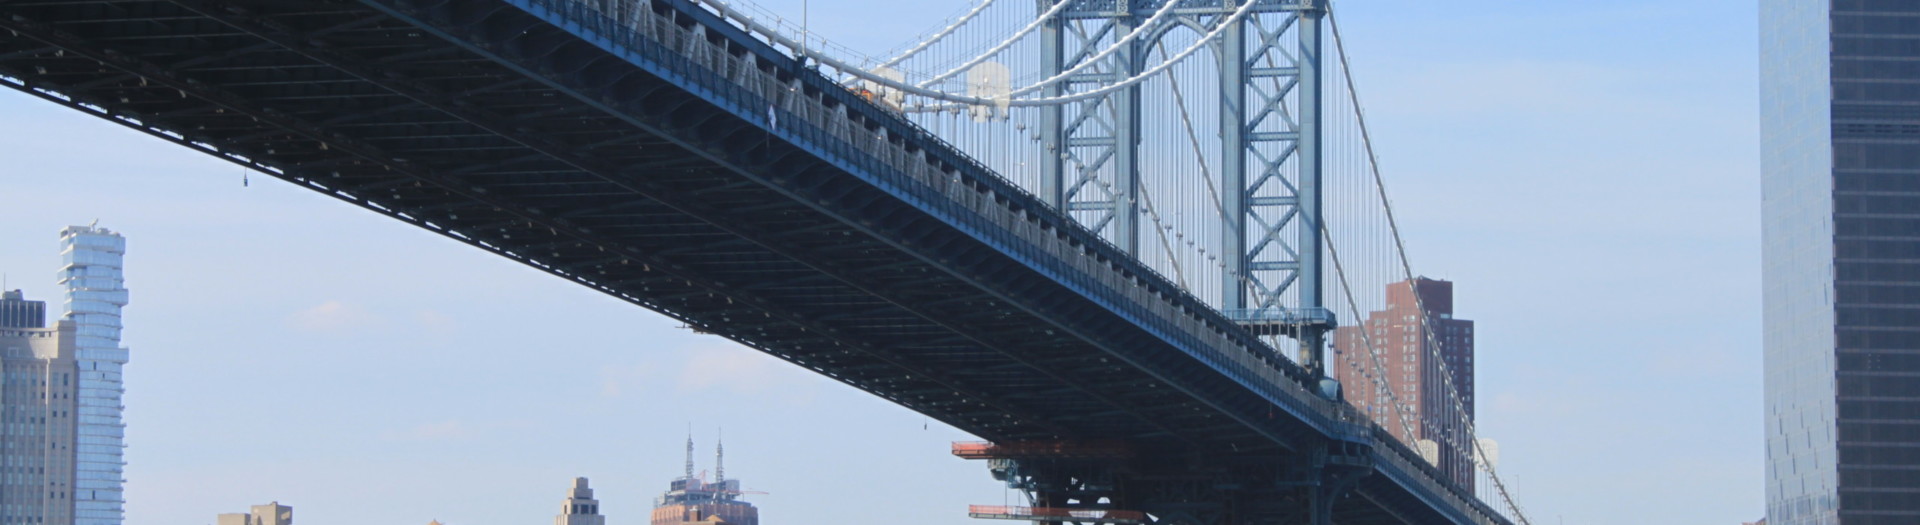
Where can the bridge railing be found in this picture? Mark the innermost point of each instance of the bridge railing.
(971, 198)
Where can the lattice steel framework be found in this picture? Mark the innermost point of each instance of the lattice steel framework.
(1092, 167)
(1269, 67)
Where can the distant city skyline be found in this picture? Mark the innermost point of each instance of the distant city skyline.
(365, 345)
(63, 445)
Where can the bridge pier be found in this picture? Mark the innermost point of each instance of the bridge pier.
(1333, 480)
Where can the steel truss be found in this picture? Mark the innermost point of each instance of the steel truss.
(1269, 66)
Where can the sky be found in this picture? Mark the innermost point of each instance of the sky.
(1585, 172)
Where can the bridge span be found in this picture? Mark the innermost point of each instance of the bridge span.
(659, 154)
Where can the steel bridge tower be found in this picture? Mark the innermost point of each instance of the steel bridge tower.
(1270, 93)
(1269, 84)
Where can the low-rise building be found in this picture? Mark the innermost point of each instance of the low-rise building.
(270, 514)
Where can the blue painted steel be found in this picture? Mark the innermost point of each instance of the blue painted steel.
(1009, 243)
(1310, 251)
(1289, 397)
(1271, 170)
(1094, 163)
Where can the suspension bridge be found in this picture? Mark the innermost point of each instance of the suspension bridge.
(1111, 237)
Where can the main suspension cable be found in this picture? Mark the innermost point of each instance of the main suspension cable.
(1121, 43)
(937, 37)
(1003, 45)
(1373, 163)
(752, 25)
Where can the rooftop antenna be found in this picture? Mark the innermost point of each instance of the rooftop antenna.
(720, 459)
(689, 453)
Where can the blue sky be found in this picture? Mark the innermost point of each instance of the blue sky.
(1585, 171)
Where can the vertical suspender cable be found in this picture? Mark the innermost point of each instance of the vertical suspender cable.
(1407, 267)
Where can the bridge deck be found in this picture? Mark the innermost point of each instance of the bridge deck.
(662, 157)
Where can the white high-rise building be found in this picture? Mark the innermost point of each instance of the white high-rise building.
(95, 293)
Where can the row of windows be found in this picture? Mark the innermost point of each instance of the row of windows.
(1877, 518)
(1877, 316)
(35, 419)
(1878, 227)
(1846, 130)
(1858, 271)
(1893, 203)
(1856, 24)
(1879, 501)
(1862, 294)
(1879, 362)
(1867, 454)
(1875, 69)
(1876, 91)
(1859, 432)
(1896, 386)
(1869, 111)
(1859, 46)
(1877, 248)
(1843, 7)
(1876, 156)
(1885, 410)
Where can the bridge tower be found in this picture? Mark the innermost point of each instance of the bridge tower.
(1270, 94)
(1269, 89)
(1272, 167)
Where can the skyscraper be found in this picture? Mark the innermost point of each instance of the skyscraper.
(693, 500)
(17, 312)
(96, 291)
(1840, 269)
(580, 507)
(1409, 372)
(37, 403)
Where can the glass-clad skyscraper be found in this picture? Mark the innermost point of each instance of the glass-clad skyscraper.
(1840, 139)
(96, 291)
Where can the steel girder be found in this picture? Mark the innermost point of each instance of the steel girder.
(1271, 162)
(1092, 167)
(1270, 94)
